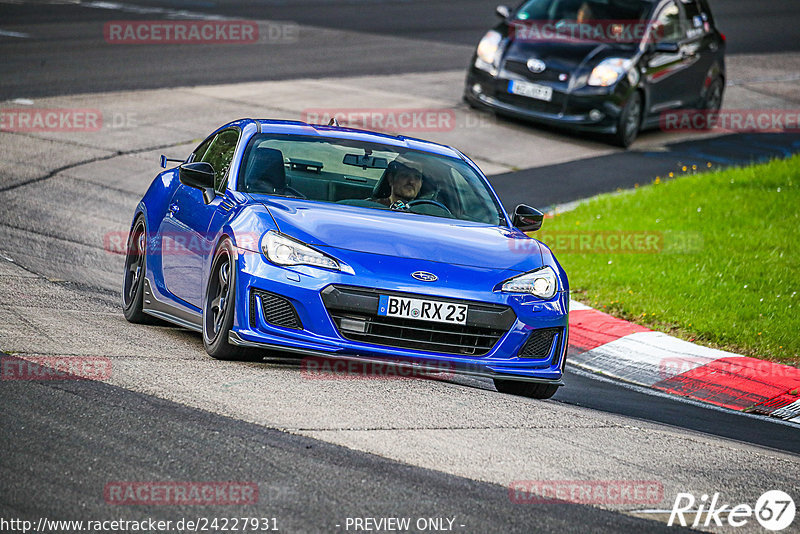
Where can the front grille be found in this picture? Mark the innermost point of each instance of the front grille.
(355, 314)
(539, 343)
(277, 310)
(521, 67)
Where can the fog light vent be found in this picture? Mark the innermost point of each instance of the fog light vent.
(277, 310)
(539, 343)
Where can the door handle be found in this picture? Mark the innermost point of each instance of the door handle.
(173, 209)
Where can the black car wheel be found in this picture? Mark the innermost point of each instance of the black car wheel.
(220, 306)
(629, 121)
(534, 390)
(135, 270)
(712, 102)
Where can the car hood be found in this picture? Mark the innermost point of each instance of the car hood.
(404, 235)
(566, 57)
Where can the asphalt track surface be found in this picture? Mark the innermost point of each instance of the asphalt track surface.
(65, 52)
(302, 482)
(64, 441)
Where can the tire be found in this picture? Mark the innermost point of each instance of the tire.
(629, 122)
(135, 271)
(712, 101)
(219, 307)
(469, 102)
(534, 390)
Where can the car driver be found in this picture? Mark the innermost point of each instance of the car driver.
(404, 185)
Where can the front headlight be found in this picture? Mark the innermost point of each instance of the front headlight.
(609, 71)
(542, 283)
(487, 50)
(283, 250)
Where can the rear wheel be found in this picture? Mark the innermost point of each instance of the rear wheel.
(629, 122)
(534, 390)
(219, 307)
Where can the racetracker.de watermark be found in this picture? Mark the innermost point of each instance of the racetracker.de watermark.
(614, 492)
(621, 242)
(50, 120)
(55, 368)
(732, 120)
(68, 120)
(386, 119)
(758, 370)
(177, 243)
(181, 493)
(177, 32)
(319, 368)
(602, 31)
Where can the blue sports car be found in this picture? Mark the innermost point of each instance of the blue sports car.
(339, 243)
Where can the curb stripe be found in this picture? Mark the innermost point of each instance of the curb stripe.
(737, 383)
(783, 406)
(617, 348)
(645, 358)
(590, 329)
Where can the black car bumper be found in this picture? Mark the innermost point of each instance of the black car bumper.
(594, 111)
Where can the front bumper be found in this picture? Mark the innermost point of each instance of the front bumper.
(315, 327)
(589, 109)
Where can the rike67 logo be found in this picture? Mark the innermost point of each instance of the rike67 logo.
(774, 510)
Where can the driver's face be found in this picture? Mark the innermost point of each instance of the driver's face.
(406, 185)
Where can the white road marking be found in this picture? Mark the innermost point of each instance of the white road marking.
(142, 10)
(21, 35)
(768, 79)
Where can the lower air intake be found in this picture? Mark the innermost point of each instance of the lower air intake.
(277, 310)
(539, 343)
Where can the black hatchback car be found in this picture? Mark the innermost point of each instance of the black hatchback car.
(608, 66)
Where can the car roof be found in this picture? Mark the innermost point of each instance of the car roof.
(289, 127)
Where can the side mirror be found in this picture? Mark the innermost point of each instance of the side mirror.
(199, 175)
(503, 12)
(666, 48)
(528, 219)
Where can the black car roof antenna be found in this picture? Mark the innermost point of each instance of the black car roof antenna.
(333, 122)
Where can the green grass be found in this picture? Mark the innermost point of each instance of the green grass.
(726, 273)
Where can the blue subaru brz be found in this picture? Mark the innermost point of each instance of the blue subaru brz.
(339, 243)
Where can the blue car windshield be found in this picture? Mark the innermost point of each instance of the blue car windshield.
(366, 175)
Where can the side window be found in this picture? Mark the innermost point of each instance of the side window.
(220, 154)
(669, 26)
(200, 151)
(696, 20)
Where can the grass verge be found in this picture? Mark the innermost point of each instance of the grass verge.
(712, 258)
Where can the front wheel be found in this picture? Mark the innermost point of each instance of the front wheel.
(534, 390)
(135, 271)
(219, 307)
(712, 102)
(629, 122)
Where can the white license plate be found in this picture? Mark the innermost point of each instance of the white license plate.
(531, 90)
(423, 310)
